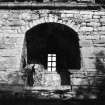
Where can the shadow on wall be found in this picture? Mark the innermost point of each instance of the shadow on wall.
(100, 67)
(95, 88)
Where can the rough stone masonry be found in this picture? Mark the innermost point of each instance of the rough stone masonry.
(14, 23)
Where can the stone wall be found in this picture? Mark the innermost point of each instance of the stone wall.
(89, 24)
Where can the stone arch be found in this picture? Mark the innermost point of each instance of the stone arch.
(50, 18)
(35, 41)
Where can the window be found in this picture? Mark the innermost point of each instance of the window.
(51, 62)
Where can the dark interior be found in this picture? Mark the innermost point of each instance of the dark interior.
(58, 39)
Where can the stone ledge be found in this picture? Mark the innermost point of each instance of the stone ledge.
(51, 5)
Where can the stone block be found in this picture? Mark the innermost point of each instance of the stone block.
(19, 42)
(86, 43)
(69, 15)
(100, 41)
(100, 13)
(9, 52)
(76, 81)
(86, 28)
(23, 29)
(86, 12)
(102, 36)
(101, 28)
(83, 24)
(46, 19)
(102, 19)
(98, 50)
(9, 78)
(94, 24)
(36, 22)
(99, 45)
(3, 77)
(63, 15)
(42, 20)
(52, 79)
(85, 37)
(96, 16)
(91, 70)
(90, 36)
(89, 63)
(87, 16)
(7, 46)
(51, 18)
(25, 16)
(102, 23)
(71, 12)
(10, 31)
(92, 20)
(102, 32)
(87, 52)
(9, 40)
(8, 63)
(95, 37)
(17, 35)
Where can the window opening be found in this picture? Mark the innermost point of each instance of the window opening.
(52, 62)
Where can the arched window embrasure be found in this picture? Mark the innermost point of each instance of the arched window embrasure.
(55, 46)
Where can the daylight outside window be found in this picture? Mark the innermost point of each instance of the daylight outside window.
(52, 62)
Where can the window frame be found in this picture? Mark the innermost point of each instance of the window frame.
(51, 63)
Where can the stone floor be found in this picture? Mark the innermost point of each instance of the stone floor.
(62, 92)
(50, 93)
(17, 95)
(38, 92)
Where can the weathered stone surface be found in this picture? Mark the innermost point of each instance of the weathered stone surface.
(94, 24)
(91, 37)
(8, 63)
(89, 63)
(52, 79)
(10, 77)
(86, 43)
(14, 24)
(87, 51)
(87, 16)
(86, 28)
(86, 12)
(99, 41)
(96, 16)
(101, 28)
(102, 19)
(100, 13)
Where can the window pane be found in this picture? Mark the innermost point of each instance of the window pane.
(53, 69)
(49, 58)
(54, 55)
(49, 55)
(53, 58)
(49, 63)
(54, 64)
(49, 68)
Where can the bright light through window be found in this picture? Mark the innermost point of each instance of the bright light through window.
(51, 62)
